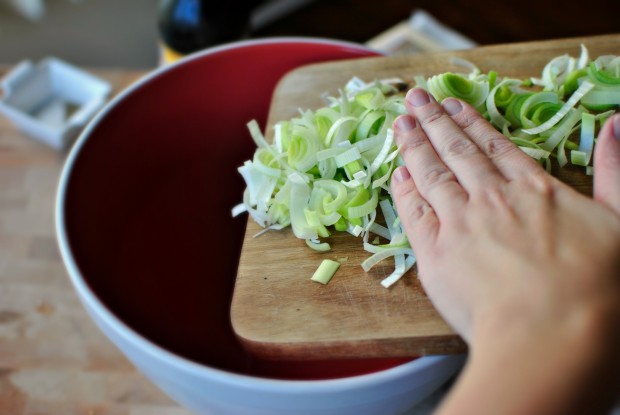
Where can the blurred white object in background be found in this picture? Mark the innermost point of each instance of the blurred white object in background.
(30, 9)
(51, 101)
(420, 33)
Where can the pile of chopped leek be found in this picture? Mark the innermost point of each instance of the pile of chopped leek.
(329, 170)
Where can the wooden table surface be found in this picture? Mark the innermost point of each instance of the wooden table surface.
(53, 359)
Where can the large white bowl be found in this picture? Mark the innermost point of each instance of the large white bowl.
(144, 193)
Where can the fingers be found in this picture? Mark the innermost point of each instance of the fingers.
(415, 214)
(503, 153)
(607, 164)
(472, 168)
(434, 181)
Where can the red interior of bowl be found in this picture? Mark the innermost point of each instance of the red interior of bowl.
(148, 203)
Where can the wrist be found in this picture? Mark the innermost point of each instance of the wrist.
(541, 368)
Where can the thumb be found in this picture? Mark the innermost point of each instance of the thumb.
(607, 164)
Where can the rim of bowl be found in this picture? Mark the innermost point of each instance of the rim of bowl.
(143, 343)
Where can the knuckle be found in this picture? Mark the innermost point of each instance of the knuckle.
(437, 175)
(458, 146)
(411, 142)
(468, 119)
(498, 146)
(416, 211)
(543, 184)
(433, 117)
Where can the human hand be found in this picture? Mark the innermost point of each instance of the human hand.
(514, 260)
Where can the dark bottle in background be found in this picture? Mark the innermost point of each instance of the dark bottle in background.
(186, 26)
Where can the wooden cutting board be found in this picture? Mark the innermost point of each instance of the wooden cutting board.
(278, 312)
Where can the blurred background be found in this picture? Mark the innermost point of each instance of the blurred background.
(124, 33)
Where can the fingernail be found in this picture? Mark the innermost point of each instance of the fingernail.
(405, 123)
(616, 127)
(401, 174)
(452, 106)
(418, 97)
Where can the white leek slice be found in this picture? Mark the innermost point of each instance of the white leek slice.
(495, 117)
(556, 70)
(352, 184)
(299, 197)
(369, 223)
(263, 161)
(535, 153)
(399, 270)
(562, 131)
(355, 230)
(325, 271)
(541, 98)
(420, 82)
(327, 169)
(454, 85)
(385, 150)
(259, 217)
(383, 179)
(341, 130)
(582, 156)
(303, 148)
(257, 135)
(238, 210)
(383, 254)
(561, 153)
(337, 192)
(601, 97)
(389, 214)
(355, 84)
(368, 124)
(380, 230)
(278, 136)
(347, 157)
(329, 153)
(370, 143)
(318, 246)
(366, 208)
(584, 58)
(259, 186)
(583, 89)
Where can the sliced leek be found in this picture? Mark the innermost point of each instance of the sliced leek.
(325, 271)
(329, 170)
